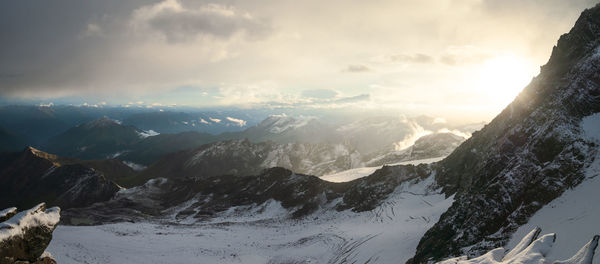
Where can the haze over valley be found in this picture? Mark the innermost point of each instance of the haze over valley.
(190, 131)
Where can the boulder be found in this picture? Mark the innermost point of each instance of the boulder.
(25, 236)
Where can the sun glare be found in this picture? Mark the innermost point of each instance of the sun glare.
(503, 77)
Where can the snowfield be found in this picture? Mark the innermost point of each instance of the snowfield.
(264, 234)
(353, 174)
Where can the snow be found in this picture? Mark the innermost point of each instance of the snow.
(574, 216)
(16, 225)
(281, 123)
(352, 174)
(8, 211)
(134, 166)
(531, 250)
(149, 133)
(264, 234)
(238, 122)
(591, 127)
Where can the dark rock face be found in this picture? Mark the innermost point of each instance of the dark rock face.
(32, 176)
(25, 236)
(302, 194)
(526, 157)
(7, 213)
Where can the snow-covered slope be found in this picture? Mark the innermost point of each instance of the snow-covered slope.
(533, 250)
(352, 174)
(263, 234)
(574, 215)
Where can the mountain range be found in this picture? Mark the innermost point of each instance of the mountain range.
(541, 151)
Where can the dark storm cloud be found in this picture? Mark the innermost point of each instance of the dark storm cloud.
(185, 24)
(41, 41)
(62, 47)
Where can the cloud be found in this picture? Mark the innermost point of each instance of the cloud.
(357, 68)
(461, 55)
(353, 99)
(320, 93)
(271, 52)
(216, 120)
(182, 24)
(412, 58)
(238, 122)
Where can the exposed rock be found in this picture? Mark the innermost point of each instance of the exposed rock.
(7, 213)
(25, 236)
(32, 176)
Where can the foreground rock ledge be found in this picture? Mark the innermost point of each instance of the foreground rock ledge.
(531, 250)
(24, 236)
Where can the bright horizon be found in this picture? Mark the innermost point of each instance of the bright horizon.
(464, 59)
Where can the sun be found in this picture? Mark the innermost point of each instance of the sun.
(503, 77)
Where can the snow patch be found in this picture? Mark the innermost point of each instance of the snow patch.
(149, 133)
(352, 174)
(238, 122)
(591, 127)
(36, 216)
(531, 250)
(134, 166)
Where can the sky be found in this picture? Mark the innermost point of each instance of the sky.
(466, 58)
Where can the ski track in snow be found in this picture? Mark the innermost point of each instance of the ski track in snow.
(259, 234)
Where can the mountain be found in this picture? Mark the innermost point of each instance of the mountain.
(426, 147)
(176, 122)
(36, 124)
(372, 134)
(10, 141)
(242, 157)
(532, 152)
(536, 150)
(286, 129)
(32, 176)
(151, 149)
(101, 138)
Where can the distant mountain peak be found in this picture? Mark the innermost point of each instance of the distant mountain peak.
(43, 155)
(102, 122)
(280, 123)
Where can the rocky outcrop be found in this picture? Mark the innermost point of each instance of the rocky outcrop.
(32, 176)
(25, 236)
(531, 250)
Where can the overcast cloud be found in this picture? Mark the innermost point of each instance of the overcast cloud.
(408, 53)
